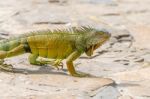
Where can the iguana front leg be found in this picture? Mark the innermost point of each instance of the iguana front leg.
(70, 66)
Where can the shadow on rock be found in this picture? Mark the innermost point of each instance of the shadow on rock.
(41, 70)
(127, 85)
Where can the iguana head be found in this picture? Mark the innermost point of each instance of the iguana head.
(95, 40)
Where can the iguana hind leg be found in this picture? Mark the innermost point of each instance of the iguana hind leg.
(3, 54)
(6, 67)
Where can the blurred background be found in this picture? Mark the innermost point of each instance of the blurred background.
(18, 16)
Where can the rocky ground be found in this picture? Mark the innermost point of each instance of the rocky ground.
(121, 66)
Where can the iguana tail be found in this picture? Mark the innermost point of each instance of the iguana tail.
(13, 47)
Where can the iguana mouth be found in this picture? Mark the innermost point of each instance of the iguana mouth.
(90, 50)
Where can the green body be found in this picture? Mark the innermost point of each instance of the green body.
(57, 44)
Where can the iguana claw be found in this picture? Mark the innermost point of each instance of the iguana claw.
(57, 63)
(6, 67)
(80, 74)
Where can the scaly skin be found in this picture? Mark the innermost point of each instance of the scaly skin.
(58, 45)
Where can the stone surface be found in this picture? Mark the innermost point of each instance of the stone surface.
(106, 93)
(48, 85)
(134, 83)
(125, 97)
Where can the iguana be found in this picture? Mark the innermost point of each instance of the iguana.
(58, 44)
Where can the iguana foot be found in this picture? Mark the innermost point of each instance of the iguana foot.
(57, 63)
(80, 74)
(6, 67)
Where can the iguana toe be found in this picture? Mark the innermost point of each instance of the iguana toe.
(80, 74)
(58, 64)
(6, 67)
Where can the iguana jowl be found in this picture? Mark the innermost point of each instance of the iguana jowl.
(56, 44)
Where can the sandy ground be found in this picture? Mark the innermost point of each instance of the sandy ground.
(121, 70)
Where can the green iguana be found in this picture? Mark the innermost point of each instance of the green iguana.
(57, 44)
